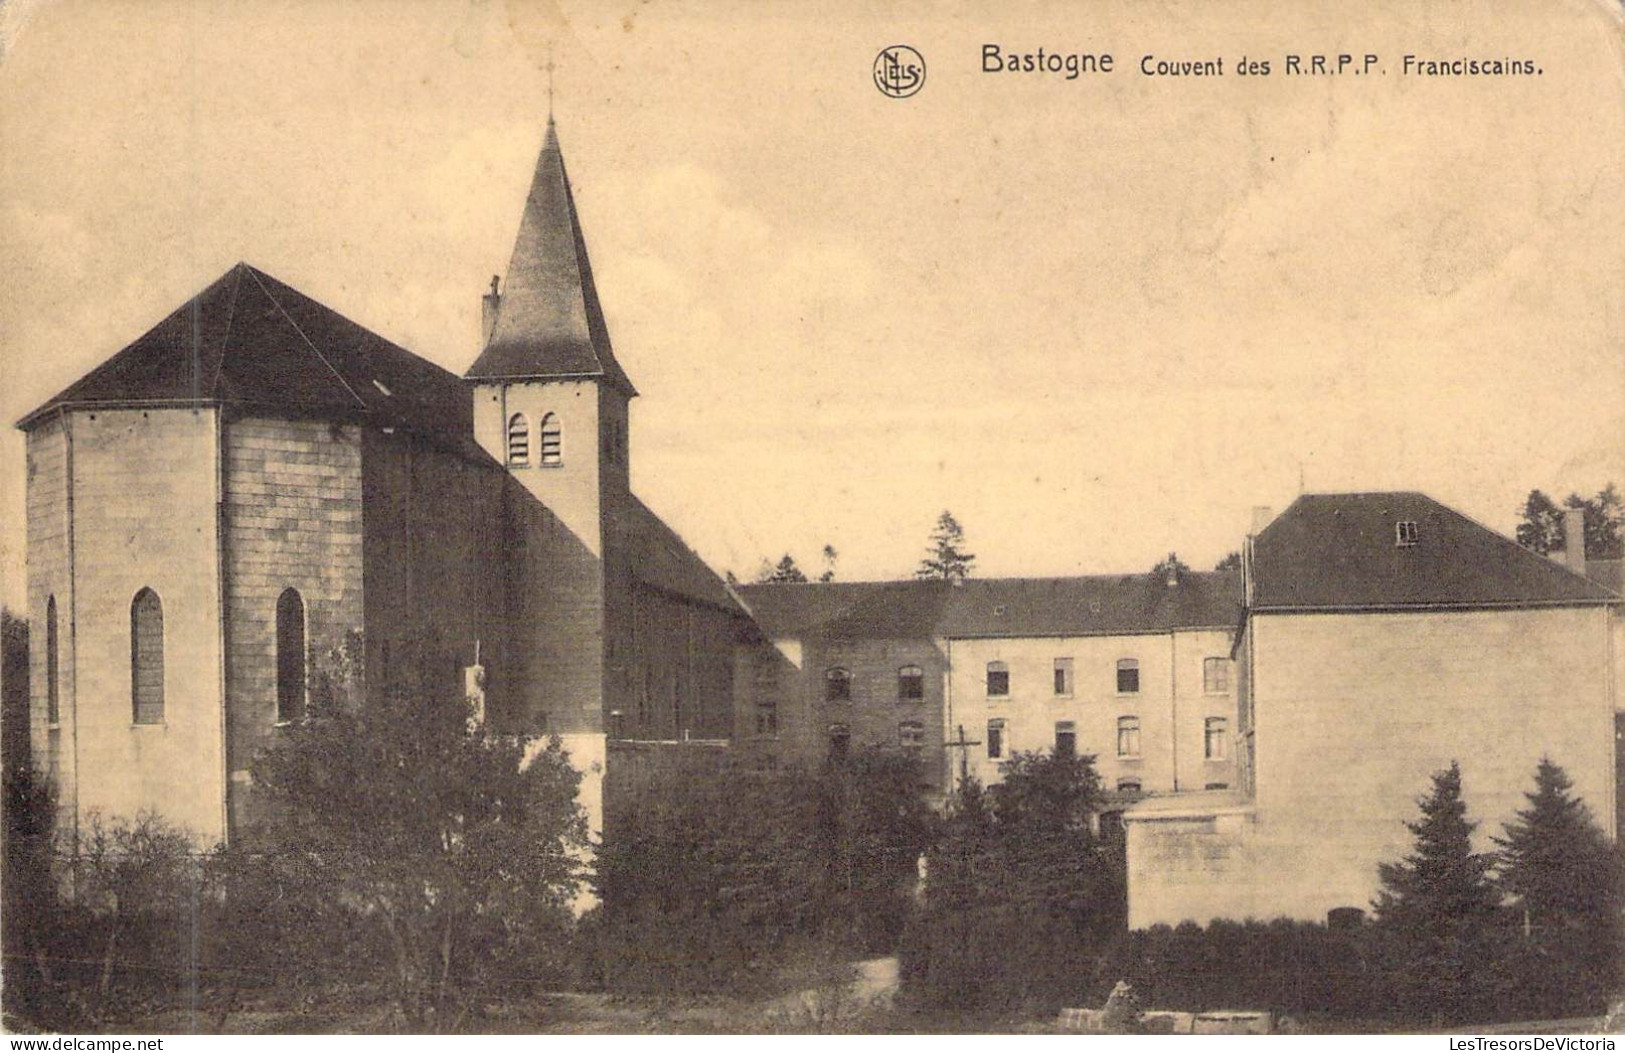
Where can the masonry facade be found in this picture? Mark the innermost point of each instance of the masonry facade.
(1134, 670)
(259, 508)
(1386, 636)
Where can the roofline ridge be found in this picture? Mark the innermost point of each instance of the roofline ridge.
(314, 349)
(231, 317)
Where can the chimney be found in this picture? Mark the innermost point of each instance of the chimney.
(1574, 540)
(1262, 514)
(488, 311)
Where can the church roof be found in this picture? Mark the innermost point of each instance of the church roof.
(549, 321)
(250, 340)
(661, 560)
(1093, 605)
(1341, 552)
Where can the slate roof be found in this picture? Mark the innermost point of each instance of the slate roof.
(1099, 605)
(252, 341)
(549, 321)
(661, 560)
(1338, 552)
(1609, 573)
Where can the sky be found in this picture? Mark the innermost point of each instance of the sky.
(1099, 319)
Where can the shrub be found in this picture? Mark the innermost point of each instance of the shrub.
(709, 881)
(1022, 901)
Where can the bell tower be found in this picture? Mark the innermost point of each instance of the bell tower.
(551, 404)
(550, 400)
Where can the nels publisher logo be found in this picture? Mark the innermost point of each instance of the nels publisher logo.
(899, 71)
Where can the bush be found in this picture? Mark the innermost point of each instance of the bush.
(1022, 901)
(706, 886)
(404, 844)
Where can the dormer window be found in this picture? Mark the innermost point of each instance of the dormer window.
(1405, 533)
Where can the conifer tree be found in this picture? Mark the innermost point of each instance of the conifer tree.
(784, 573)
(946, 558)
(1556, 865)
(1439, 909)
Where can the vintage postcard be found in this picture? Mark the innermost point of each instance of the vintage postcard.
(535, 516)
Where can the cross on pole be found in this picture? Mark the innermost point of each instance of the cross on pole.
(963, 745)
(550, 81)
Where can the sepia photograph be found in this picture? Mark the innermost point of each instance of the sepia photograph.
(705, 517)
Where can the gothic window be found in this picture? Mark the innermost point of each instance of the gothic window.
(998, 680)
(147, 658)
(518, 440)
(290, 656)
(53, 712)
(837, 685)
(910, 683)
(552, 440)
(1128, 676)
(1128, 736)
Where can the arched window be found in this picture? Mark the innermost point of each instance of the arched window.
(837, 685)
(1128, 736)
(998, 680)
(53, 711)
(290, 656)
(518, 440)
(1128, 676)
(552, 440)
(147, 658)
(910, 683)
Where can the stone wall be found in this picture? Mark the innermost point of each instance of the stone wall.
(292, 519)
(143, 489)
(49, 546)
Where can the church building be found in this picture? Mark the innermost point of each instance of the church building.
(260, 505)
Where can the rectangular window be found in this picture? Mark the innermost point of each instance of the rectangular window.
(1216, 738)
(1066, 739)
(995, 739)
(910, 683)
(1128, 736)
(1405, 533)
(1217, 786)
(1063, 677)
(1128, 676)
(998, 680)
(1128, 785)
(911, 735)
(767, 717)
(1216, 676)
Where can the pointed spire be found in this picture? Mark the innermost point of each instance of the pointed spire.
(549, 322)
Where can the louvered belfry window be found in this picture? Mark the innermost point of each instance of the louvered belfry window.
(147, 658)
(552, 440)
(518, 440)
